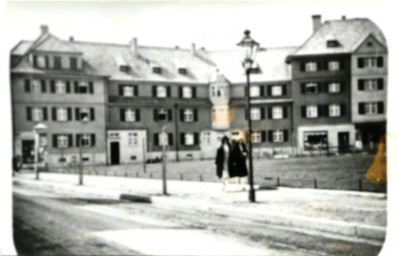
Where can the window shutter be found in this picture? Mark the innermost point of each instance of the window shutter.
(54, 141)
(342, 86)
(284, 88)
(303, 111)
(342, 109)
(196, 138)
(136, 90)
(302, 65)
(360, 62)
(285, 135)
(54, 114)
(93, 140)
(270, 112)
(181, 115)
(285, 112)
(155, 114)
(303, 88)
(52, 86)
(29, 113)
(263, 136)
(47, 62)
(263, 113)
(155, 139)
(76, 87)
(68, 89)
(137, 115)
(195, 115)
(78, 136)
(380, 84)
(122, 114)
(341, 64)
(168, 91)
(169, 114)
(170, 139)
(380, 107)
(77, 114)
(45, 114)
(379, 62)
(360, 84)
(269, 90)
(182, 135)
(320, 110)
(91, 87)
(193, 92)
(320, 87)
(70, 140)
(326, 87)
(180, 92)
(319, 65)
(43, 86)
(361, 108)
(92, 114)
(262, 90)
(154, 91)
(325, 110)
(27, 85)
(270, 136)
(121, 89)
(34, 60)
(69, 114)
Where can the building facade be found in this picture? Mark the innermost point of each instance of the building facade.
(110, 103)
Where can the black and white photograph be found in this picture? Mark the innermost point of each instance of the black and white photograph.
(198, 128)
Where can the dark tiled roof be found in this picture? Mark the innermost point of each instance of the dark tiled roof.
(347, 32)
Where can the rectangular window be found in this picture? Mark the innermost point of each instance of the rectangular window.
(157, 69)
(57, 62)
(133, 139)
(277, 112)
(60, 87)
(62, 141)
(188, 115)
(310, 66)
(162, 114)
(85, 140)
(254, 91)
(370, 85)
(41, 63)
(370, 62)
(187, 92)
(83, 87)
(73, 63)
(128, 91)
(311, 88)
(256, 137)
(334, 110)
(333, 65)
(182, 71)
(371, 108)
(189, 139)
(62, 114)
(161, 91)
(311, 111)
(206, 138)
(255, 114)
(36, 86)
(315, 140)
(130, 115)
(277, 90)
(334, 87)
(37, 114)
(278, 136)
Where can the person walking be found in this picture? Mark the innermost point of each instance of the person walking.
(238, 165)
(222, 160)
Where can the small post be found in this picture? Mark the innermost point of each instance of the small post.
(125, 173)
(278, 182)
(151, 175)
(144, 155)
(360, 185)
(137, 174)
(181, 175)
(164, 143)
(315, 183)
(201, 177)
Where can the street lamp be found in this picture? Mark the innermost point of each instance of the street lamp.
(248, 49)
(84, 118)
(37, 129)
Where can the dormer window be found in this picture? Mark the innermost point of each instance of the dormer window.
(156, 69)
(124, 68)
(182, 71)
(332, 43)
(370, 44)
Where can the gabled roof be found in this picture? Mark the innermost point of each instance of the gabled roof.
(52, 44)
(348, 32)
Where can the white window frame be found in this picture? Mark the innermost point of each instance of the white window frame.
(256, 137)
(278, 136)
(36, 86)
(334, 65)
(277, 90)
(37, 114)
(334, 87)
(189, 139)
(334, 110)
(371, 108)
(85, 140)
(130, 115)
(308, 85)
(62, 114)
(83, 84)
(60, 87)
(369, 62)
(62, 141)
(255, 91)
(277, 112)
(161, 91)
(188, 115)
(128, 91)
(311, 66)
(133, 139)
(206, 139)
(85, 110)
(370, 85)
(255, 114)
(40, 61)
(312, 111)
(187, 92)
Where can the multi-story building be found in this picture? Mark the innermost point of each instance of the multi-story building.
(111, 102)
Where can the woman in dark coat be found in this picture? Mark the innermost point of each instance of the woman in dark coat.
(222, 161)
(237, 160)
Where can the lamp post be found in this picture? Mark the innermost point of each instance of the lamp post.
(84, 118)
(248, 49)
(37, 129)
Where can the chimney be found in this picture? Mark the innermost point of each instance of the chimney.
(316, 22)
(71, 39)
(44, 29)
(134, 46)
(193, 48)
